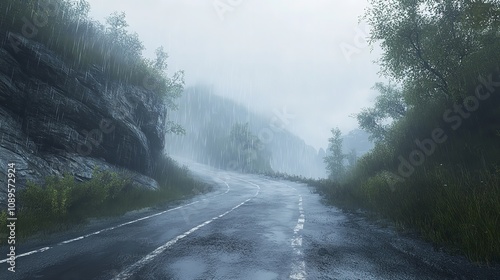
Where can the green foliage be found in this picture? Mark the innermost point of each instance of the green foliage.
(63, 202)
(352, 157)
(335, 158)
(245, 151)
(172, 87)
(65, 28)
(233, 148)
(171, 176)
(445, 198)
(389, 106)
(119, 36)
(437, 45)
(441, 52)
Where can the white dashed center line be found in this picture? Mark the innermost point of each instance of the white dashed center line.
(298, 265)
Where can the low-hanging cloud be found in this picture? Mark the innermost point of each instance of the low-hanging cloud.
(308, 56)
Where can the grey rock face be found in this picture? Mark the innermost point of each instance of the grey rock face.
(54, 119)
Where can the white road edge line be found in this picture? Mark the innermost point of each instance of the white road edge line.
(127, 273)
(111, 228)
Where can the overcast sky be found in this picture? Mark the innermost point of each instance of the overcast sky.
(280, 55)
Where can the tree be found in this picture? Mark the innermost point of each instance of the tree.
(117, 26)
(81, 9)
(389, 106)
(171, 88)
(117, 32)
(435, 44)
(245, 151)
(174, 86)
(160, 62)
(335, 158)
(352, 158)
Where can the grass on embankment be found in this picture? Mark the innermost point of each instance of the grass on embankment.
(451, 201)
(64, 202)
(452, 198)
(455, 208)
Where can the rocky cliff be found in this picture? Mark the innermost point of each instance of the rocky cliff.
(54, 119)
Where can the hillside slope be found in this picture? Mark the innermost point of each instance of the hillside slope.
(54, 119)
(208, 118)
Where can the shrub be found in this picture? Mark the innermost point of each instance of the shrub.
(63, 202)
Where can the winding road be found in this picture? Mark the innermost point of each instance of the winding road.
(251, 228)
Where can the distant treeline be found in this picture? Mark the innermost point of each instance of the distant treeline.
(208, 120)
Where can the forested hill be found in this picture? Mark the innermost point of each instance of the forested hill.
(208, 118)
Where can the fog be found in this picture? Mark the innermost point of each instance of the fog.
(306, 58)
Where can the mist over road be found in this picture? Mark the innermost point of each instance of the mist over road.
(251, 228)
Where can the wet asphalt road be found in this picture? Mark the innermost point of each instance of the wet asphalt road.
(250, 228)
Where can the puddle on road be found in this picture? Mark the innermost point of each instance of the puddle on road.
(187, 268)
(277, 236)
(229, 257)
(261, 275)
